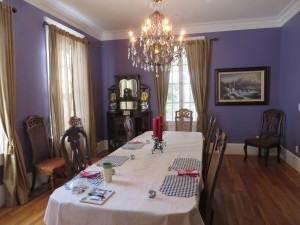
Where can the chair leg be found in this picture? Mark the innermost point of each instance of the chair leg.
(266, 156)
(245, 150)
(278, 153)
(259, 152)
(33, 179)
(52, 182)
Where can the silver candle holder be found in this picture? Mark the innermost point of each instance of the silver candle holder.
(158, 144)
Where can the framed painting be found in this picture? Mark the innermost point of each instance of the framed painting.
(242, 86)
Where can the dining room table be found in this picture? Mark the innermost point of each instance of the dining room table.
(138, 170)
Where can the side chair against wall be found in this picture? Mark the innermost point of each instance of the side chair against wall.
(129, 128)
(183, 120)
(206, 146)
(42, 163)
(207, 195)
(270, 134)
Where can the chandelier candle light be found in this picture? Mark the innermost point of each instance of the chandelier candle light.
(156, 47)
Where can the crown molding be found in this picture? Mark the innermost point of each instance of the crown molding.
(68, 17)
(65, 15)
(288, 12)
(203, 28)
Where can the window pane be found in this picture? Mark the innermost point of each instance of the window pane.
(186, 93)
(2, 139)
(175, 94)
(169, 112)
(175, 77)
(170, 91)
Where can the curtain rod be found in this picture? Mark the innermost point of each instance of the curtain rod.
(47, 24)
(14, 10)
(215, 39)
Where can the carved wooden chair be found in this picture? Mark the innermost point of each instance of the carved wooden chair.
(207, 195)
(75, 148)
(129, 128)
(270, 134)
(74, 145)
(76, 122)
(183, 120)
(42, 163)
(206, 146)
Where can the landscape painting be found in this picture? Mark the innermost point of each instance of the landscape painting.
(242, 86)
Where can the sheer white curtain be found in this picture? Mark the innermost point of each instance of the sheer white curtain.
(70, 85)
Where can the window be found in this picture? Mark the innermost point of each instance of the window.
(179, 91)
(2, 139)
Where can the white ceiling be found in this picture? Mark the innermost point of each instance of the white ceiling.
(112, 19)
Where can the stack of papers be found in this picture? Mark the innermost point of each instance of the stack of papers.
(97, 196)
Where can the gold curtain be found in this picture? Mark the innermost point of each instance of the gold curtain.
(161, 89)
(70, 85)
(15, 180)
(198, 56)
(84, 106)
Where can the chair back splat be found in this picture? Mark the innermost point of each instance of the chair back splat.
(75, 148)
(41, 157)
(183, 120)
(207, 194)
(129, 128)
(206, 147)
(269, 135)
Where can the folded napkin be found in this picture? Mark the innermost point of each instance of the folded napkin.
(191, 173)
(89, 174)
(134, 142)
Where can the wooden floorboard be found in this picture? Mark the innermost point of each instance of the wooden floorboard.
(249, 193)
(246, 194)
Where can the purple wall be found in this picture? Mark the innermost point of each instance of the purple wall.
(290, 80)
(249, 48)
(31, 74)
(275, 47)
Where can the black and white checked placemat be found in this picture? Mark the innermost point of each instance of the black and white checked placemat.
(186, 164)
(115, 160)
(93, 181)
(133, 146)
(180, 186)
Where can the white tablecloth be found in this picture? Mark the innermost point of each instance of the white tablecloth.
(130, 203)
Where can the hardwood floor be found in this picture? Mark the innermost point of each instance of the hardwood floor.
(246, 194)
(250, 193)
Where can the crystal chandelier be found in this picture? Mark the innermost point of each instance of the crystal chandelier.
(156, 47)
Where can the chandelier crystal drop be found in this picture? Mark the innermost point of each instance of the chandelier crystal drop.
(156, 47)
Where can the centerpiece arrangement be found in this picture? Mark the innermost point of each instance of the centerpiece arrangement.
(157, 134)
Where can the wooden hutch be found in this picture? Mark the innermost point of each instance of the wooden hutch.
(127, 97)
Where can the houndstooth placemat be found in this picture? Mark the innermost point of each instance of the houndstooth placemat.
(133, 146)
(180, 186)
(115, 160)
(93, 181)
(186, 164)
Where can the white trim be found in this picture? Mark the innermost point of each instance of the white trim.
(64, 14)
(286, 155)
(74, 19)
(1, 159)
(102, 145)
(63, 27)
(2, 195)
(286, 14)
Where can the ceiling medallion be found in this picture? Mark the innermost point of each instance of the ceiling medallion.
(156, 47)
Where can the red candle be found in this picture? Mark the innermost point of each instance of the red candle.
(160, 127)
(155, 127)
